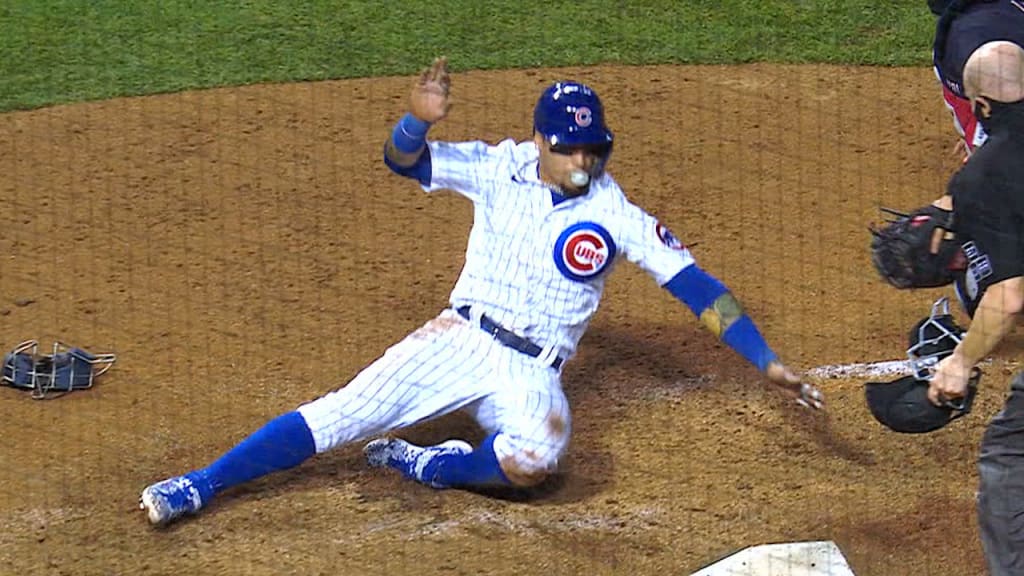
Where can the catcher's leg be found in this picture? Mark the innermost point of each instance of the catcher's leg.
(433, 371)
(1001, 489)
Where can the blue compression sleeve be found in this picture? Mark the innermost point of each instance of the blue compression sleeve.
(744, 337)
(699, 291)
(695, 288)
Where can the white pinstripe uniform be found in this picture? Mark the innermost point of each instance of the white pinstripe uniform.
(536, 268)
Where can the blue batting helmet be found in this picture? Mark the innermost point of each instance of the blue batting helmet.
(571, 114)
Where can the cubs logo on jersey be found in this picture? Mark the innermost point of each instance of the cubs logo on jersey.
(583, 251)
(667, 238)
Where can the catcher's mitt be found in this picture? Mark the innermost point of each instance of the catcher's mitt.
(66, 369)
(901, 250)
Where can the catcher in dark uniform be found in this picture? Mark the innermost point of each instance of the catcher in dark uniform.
(961, 27)
(979, 247)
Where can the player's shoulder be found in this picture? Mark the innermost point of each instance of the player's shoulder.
(521, 150)
(511, 149)
(491, 153)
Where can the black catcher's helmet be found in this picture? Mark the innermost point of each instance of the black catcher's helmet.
(902, 405)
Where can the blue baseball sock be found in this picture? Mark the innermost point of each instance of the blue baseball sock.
(282, 443)
(475, 469)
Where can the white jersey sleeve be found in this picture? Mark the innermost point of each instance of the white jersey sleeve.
(468, 168)
(651, 246)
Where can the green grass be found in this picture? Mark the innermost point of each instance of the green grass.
(58, 51)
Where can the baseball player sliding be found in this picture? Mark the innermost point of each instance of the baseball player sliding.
(549, 225)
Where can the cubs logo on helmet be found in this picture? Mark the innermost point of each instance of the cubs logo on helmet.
(584, 117)
(571, 114)
(583, 251)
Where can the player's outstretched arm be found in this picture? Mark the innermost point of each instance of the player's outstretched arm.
(428, 103)
(720, 312)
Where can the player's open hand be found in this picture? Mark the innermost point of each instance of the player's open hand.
(805, 394)
(429, 100)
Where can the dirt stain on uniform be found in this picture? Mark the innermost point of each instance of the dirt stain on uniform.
(436, 326)
(520, 476)
(556, 424)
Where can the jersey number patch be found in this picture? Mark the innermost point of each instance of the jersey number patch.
(583, 251)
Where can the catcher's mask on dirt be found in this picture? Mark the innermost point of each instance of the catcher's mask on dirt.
(65, 369)
(570, 115)
(902, 405)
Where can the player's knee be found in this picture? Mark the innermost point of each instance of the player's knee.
(527, 468)
(526, 462)
(527, 459)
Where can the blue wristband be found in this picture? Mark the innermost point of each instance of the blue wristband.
(410, 134)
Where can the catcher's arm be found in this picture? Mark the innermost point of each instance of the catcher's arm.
(944, 203)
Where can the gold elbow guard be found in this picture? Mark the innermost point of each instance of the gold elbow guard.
(722, 313)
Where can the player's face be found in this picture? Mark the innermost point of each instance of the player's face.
(557, 164)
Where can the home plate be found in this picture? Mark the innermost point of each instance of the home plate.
(787, 559)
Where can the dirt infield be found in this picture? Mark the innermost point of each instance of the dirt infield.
(245, 250)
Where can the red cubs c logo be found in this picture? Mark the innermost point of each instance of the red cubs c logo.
(584, 251)
(584, 116)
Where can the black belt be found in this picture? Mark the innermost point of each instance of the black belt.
(508, 338)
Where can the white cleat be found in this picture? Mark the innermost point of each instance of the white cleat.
(170, 499)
